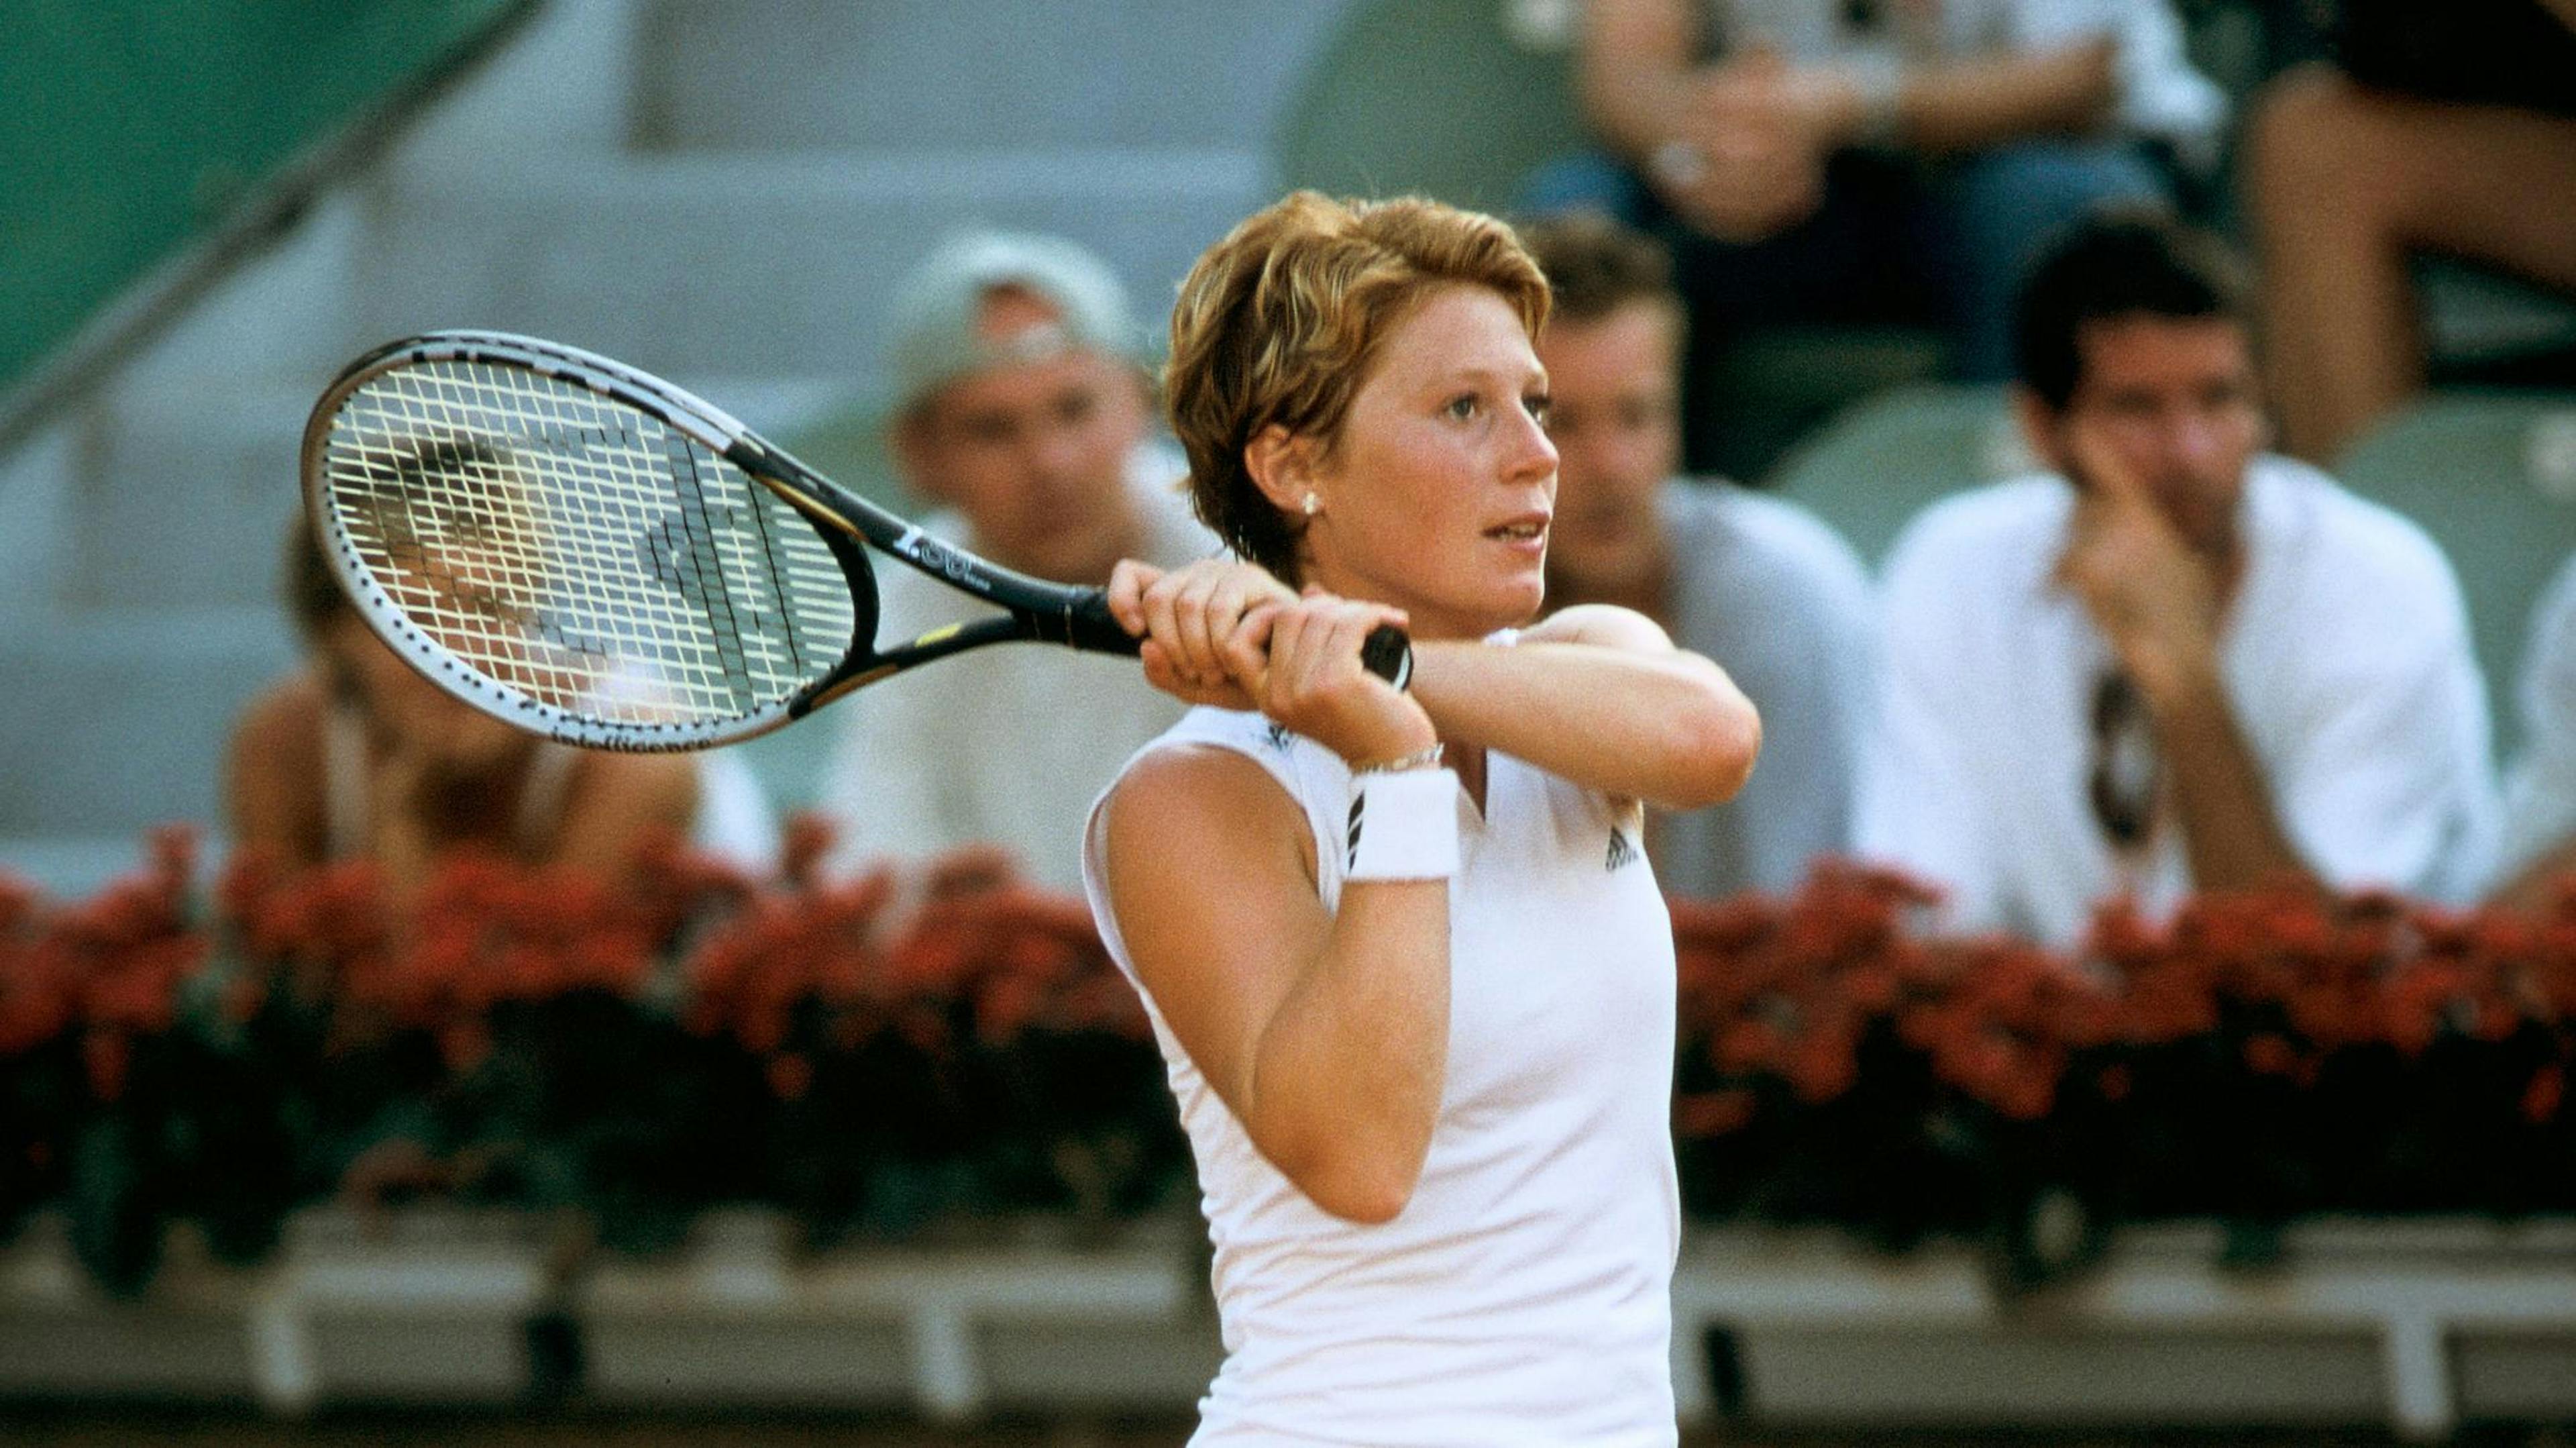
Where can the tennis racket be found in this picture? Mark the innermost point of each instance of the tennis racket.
(594, 555)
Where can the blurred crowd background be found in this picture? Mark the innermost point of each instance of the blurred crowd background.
(1818, 415)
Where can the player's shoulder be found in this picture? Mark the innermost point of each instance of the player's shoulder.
(1296, 761)
(1178, 772)
(1240, 730)
(1232, 773)
(1222, 741)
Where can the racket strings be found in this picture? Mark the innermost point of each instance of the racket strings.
(469, 564)
(575, 550)
(702, 554)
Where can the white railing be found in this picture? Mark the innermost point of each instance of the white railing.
(2415, 1323)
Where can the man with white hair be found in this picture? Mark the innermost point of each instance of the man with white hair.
(1021, 410)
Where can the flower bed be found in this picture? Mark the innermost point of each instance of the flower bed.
(539, 1039)
(697, 1038)
(2257, 1058)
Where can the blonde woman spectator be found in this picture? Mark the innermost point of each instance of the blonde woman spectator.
(358, 756)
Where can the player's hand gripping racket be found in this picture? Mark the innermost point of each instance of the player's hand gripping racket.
(592, 554)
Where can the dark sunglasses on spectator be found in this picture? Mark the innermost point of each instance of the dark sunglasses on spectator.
(2127, 776)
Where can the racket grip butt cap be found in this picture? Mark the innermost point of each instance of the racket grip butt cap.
(1388, 653)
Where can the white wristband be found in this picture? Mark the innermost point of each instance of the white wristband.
(1403, 826)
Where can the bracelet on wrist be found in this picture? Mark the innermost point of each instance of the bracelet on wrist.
(1418, 759)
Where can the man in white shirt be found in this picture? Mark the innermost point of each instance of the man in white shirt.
(2539, 849)
(1020, 408)
(2179, 664)
(1760, 585)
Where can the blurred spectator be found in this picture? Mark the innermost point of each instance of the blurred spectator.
(1818, 160)
(358, 755)
(2178, 664)
(1020, 409)
(2539, 852)
(1757, 584)
(2445, 129)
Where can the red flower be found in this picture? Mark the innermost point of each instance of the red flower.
(1712, 1113)
(791, 1076)
(465, 1045)
(2542, 1098)
(1823, 1065)
(2026, 1096)
(803, 846)
(37, 994)
(106, 1054)
(1748, 1046)
(2270, 1055)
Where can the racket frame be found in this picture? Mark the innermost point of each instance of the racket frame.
(1034, 610)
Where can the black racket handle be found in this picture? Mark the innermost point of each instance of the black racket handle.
(1387, 652)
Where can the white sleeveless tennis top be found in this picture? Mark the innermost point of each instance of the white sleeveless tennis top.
(1523, 1296)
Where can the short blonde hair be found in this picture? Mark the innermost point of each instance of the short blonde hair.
(1280, 322)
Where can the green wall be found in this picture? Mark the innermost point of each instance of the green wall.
(129, 128)
(1431, 96)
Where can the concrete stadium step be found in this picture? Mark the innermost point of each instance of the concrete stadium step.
(36, 509)
(188, 496)
(825, 74)
(2475, 316)
(285, 314)
(146, 491)
(113, 726)
(770, 264)
(195, 483)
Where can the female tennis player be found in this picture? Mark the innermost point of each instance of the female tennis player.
(1411, 975)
